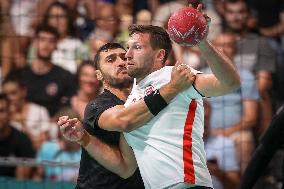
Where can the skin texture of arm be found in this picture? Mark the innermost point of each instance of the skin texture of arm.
(225, 77)
(122, 119)
(118, 159)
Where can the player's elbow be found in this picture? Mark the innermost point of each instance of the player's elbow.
(125, 175)
(127, 172)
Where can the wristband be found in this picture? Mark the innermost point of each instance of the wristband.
(155, 102)
(85, 140)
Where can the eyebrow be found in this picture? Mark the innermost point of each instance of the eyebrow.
(115, 54)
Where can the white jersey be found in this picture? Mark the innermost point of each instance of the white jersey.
(169, 149)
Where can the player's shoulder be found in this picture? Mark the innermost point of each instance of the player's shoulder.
(105, 99)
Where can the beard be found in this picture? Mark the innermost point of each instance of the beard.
(143, 70)
(46, 58)
(118, 83)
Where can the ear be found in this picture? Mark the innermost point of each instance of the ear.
(161, 55)
(99, 75)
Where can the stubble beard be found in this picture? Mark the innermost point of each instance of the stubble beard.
(44, 58)
(119, 84)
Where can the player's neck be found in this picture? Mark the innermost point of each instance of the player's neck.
(154, 68)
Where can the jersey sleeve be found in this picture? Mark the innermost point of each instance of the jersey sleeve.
(94, 110)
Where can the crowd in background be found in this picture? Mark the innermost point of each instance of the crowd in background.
(34, 93)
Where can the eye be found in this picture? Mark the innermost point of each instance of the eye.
(137, 47)
(110, 60)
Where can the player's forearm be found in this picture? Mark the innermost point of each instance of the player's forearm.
(221, 66)
(139, 113)
(108, 156)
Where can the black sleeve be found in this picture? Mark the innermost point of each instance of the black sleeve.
(92, 113)
(94, 110)
(270, 143)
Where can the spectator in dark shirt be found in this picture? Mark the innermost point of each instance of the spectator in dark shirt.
(13, 143)
(47, 84)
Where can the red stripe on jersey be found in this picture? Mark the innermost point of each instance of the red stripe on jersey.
(189, 176)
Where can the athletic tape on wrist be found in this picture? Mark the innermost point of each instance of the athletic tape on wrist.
(155, 102)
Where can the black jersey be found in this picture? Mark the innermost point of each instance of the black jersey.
(91, 173)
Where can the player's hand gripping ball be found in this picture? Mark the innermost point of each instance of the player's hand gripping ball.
(187, 26)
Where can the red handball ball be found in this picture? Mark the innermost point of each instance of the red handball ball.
(187, 26)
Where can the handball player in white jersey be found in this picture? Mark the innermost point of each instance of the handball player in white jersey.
(168, 148)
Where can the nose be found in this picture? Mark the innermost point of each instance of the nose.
(129, 54)
(121, 62)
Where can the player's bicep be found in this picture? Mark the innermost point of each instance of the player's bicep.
(110, 119)
(208, 85)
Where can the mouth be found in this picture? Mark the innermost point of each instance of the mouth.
(129, 65)
(122, 70)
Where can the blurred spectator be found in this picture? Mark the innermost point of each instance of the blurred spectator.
(221, 156)
(235, 115)
(59, 150)
(83, 13)
(13, 143)
(270, 19)
(107, 20)
(216, 15)
(69, 49)
(153, 5)
(11, 56)
(70, 153)
(188, 55)
(28, 117)
(253, 53)
(47, 84)
(143, 17)
(124, 7)
(123, 35)
(269, 16)
(163, 13)
(22, 14)
(88, 87)
(94, 43)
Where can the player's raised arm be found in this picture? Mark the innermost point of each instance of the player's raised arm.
(120, 118)
(189, 27)
(225, 77)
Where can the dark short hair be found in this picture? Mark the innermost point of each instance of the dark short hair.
(48, 29)
(105, 48)
(15, 78)
(159, 38)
